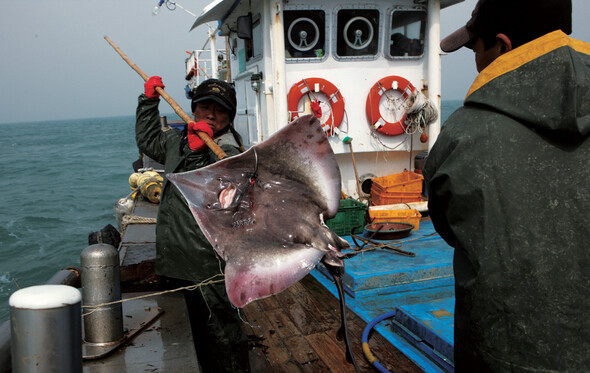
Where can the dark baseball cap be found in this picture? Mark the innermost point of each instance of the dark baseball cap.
(521, 20)
(216, 90)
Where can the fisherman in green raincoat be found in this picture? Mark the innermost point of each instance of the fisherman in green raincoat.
(182, 251)
(509, 189)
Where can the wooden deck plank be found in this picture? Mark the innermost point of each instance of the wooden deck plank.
(269, 303)
(304, 314)
(282, 323)
(330, 352)
(303, 352)
(262, 329)
(316, 306)
(289, 343)
(330, 305)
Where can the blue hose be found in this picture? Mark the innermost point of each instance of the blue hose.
(365, 341)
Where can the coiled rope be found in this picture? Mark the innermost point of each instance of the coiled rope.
(134, 219)
(420, 112)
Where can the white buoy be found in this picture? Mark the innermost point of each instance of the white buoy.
(46, 329)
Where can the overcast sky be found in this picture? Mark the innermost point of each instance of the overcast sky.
(56, 65)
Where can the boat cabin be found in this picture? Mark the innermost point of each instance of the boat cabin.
(369, 70)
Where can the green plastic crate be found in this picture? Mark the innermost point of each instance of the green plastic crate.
(351, 213)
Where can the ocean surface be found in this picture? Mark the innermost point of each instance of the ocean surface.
(60, 180)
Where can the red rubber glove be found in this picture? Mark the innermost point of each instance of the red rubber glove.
(194, 141)
(150, 86)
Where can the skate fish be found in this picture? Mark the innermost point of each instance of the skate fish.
(263, 211)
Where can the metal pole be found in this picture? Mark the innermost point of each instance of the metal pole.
(227, 61)
(46, 331)
(101, 283)
(5, 360)
(279, 68)
(213, 46)
(434, 67)
(67, 276)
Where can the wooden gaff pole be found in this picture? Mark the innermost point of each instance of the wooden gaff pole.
(177, 109)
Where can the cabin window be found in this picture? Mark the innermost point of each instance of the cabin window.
(357, 33)
(407, 33)
(305, 35)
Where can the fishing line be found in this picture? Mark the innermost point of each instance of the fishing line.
(208, 281)
(256, 162)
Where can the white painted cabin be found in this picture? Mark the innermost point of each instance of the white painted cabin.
(353, 45)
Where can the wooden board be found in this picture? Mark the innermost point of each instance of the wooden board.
(295, 331)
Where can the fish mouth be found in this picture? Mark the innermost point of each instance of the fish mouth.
(226, 196)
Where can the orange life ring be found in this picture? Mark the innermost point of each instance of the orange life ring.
(309, 86)
(374, 97)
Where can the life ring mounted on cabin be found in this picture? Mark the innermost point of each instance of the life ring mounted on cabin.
(331, 116)
(388, 117)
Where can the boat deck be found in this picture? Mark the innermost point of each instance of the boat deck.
(414, 294)
(293, 331)
(164, 345)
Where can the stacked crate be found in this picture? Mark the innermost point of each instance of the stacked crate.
(403, 187)
(398, 188)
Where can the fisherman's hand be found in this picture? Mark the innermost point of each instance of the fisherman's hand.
(150, 87)
(194, 141)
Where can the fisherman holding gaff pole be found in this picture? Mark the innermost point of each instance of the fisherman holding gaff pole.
(183, 254)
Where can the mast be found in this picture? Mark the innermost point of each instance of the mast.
(278, 64)
(434, 67)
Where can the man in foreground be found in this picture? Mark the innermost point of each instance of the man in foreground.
(509, 189)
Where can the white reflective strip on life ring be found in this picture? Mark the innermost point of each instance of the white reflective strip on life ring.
(380, 123)
(332, 93)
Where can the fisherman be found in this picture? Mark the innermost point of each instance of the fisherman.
(182, 251)
(509, 189)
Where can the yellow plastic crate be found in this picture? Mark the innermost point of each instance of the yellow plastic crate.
(384, 198)
(406, 181)
(398, 188)
(400, 216)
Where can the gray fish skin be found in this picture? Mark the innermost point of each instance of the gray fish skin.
(263, 211)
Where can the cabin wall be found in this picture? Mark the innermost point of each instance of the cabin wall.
(312, 44)
(247, 61)
(355, 75)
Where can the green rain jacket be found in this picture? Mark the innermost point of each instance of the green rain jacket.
(182, 251)
(509, 189)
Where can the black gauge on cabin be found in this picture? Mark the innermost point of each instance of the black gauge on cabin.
(305, 35)
(357, 32)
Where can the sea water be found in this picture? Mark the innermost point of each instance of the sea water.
(59, 182)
